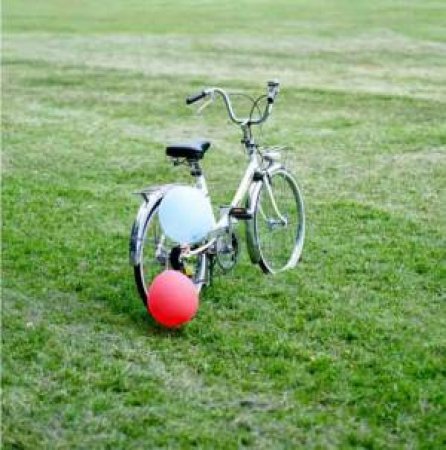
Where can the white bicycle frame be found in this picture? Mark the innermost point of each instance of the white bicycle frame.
(251, 182)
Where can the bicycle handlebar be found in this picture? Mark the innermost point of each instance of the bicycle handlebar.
(272, 91)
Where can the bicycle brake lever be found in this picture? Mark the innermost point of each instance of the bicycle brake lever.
(206, 103)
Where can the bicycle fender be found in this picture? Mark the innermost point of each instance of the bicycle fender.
(152, 196)
(153, 191)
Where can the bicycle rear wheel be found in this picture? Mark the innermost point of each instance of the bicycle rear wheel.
(159, 253)
(279, 222)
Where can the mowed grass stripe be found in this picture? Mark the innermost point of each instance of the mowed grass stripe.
(381, 62)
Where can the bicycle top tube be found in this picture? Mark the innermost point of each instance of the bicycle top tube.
(272, 91)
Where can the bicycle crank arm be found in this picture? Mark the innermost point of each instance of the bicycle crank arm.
(188, 253)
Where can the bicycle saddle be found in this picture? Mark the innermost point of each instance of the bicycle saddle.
(189, 150)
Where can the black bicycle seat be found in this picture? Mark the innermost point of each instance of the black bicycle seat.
(189, 150)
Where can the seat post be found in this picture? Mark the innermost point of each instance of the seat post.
(195, 168)
(200, 180)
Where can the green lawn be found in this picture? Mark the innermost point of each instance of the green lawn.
(345, 351)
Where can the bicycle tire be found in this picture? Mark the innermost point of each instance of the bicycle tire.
(143, 276)
(278, 245)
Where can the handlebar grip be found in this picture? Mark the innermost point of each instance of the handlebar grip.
(194, 98)
(273, 90)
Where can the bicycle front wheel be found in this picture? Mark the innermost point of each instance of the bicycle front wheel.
(279, 222)
(159, 253)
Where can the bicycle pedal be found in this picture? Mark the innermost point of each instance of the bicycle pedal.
(240, 213)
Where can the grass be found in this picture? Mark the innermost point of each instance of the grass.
(346, 351)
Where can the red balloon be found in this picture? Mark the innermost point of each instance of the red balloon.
(172, 299)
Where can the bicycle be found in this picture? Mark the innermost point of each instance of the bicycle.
(268, 200)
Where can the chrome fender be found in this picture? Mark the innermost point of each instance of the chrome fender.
(152, 196)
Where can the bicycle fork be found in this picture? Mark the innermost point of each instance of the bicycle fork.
(281, 219)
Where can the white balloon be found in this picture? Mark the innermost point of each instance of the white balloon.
(186, 215)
